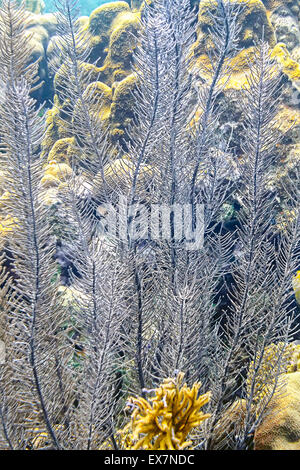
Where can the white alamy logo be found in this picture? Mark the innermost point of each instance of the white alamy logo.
(180, 222)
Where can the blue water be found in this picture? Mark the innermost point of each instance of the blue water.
(86, 6)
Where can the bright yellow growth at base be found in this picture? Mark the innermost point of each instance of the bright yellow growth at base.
(164, 422)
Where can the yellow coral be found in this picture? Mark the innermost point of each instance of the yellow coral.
(61, 171)
(252, 19)
(296, 286)
(36, 6)
(7, 222)
(285, 218)
(122, 39)
(3, 200)
(102, 98)
(7, 225)
(49, 181)
(55, 127)
(137, 4)
(164, 422)
(280, 357)
(280, 428)
(111, 32)
(101, 19)
(55, 174)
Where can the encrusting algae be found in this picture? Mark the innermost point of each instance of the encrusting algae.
(164, 421)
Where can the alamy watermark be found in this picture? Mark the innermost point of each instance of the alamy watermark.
(157, 222)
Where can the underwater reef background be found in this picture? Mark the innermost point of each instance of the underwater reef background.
(112, 29)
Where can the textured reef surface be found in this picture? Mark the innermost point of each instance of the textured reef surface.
(112, 31)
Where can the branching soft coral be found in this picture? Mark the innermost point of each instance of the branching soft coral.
(296, 286)
(164, 422)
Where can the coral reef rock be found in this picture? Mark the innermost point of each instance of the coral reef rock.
(112, 31)
(35, 6)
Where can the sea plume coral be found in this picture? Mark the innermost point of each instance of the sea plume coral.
(164, 421)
